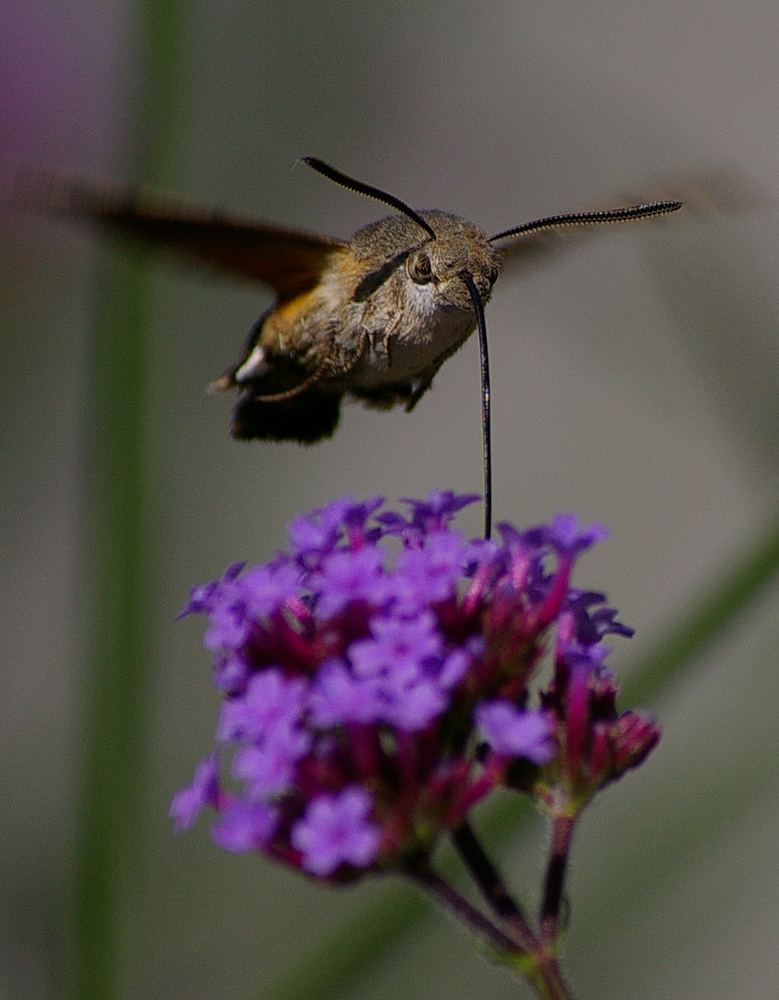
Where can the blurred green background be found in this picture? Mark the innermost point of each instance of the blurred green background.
(634, 382)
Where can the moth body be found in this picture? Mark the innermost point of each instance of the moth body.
(383, 317)
(373, 318)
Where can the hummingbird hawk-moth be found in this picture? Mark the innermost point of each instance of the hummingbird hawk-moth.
(372, 318)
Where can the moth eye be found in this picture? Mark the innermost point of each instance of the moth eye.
(419, 268)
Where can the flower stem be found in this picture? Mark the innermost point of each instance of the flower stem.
(537, 965)
(458, 906)
(492, 886)
(562, 832)
(547, 980)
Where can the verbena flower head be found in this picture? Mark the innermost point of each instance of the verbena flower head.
(378, 683)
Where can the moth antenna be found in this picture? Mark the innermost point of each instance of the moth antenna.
(486, 409)
(629, 214)
(370, 192)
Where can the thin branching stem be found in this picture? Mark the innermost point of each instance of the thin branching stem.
(492, 886)
(459, 907)
(554, 883)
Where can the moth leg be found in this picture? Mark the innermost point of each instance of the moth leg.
(318, 373)
(418, 393)
(387, 338)
(306, 413)
(425, 381)
(356, 358)
(296, 390)
(386, 343)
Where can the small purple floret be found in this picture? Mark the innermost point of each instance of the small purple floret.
(338, 696)
(512, 732)
(243, 826)
(347, 577)
(337, 830)
(569, 538)
(399, 647)
(190, 801)
(434, 514)
(270, 702)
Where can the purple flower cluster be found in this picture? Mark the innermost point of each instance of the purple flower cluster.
(376, 685)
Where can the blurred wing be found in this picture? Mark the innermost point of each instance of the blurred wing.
(536, 248)
(288, 260)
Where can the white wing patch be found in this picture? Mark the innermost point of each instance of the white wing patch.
(254, 366)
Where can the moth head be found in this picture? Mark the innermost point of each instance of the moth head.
(429, 251)
(436, 267)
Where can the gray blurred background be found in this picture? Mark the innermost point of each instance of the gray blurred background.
(634, 382)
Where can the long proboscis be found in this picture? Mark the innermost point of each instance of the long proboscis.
(486, 401)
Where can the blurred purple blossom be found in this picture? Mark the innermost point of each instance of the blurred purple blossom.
(336, 830)
(512, 732)
(371, 701)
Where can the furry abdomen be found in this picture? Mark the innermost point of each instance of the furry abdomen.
(308, 418)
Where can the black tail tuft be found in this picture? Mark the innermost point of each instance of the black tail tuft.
(307, 418)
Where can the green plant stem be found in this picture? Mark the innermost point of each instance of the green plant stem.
(112, 726)
(116, 568)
